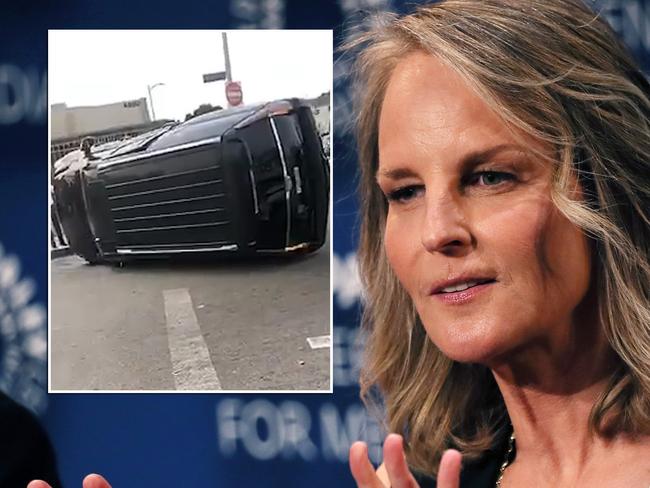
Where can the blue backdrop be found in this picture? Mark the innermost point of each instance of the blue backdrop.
(183, 440)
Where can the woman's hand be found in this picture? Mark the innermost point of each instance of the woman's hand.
(90, 481)
(394, 472)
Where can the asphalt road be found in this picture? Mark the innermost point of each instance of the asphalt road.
(204, 324)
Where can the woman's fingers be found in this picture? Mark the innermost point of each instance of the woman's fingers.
(449, 472)
(95, 481)
(38, 484)
(398, 471)
(361, 467)
(90, 481)
(396, 467)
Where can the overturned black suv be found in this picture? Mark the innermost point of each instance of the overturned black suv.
(244, 180)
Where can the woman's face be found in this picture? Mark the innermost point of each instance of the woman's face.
(471, 232)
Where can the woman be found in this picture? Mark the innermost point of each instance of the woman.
(504, 248)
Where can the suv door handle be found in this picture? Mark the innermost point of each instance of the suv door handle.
(296, 176)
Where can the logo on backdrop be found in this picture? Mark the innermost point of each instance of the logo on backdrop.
(346, 282)
(258, 14)
(23, 337)
(630, 19)
(358, 19)
(264, 430)
(23, 95)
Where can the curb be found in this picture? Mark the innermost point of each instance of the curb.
(59, 252)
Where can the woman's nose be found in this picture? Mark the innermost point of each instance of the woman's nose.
(445, 228)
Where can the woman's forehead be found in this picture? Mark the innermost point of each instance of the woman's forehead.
(429, 112)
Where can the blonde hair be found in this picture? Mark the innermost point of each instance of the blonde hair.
(554, 71)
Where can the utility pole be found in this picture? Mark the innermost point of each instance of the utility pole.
(226, 55)
(233, 89)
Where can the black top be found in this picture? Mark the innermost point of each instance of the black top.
(480, 474)
(25, 451)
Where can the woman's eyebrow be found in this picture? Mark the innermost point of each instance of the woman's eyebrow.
(469, 160)
(395, 174)
(475, 158)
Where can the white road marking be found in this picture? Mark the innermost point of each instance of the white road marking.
(191, 364)
(319, 342)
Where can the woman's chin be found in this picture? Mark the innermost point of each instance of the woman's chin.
(471, 355)
(471, 346)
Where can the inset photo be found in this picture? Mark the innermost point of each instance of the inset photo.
(189, 211)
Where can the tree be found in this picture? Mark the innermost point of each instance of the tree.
(204, 108)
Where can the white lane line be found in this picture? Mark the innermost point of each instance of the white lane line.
(191, 364)
(319, 342)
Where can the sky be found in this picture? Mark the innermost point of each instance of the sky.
(106, 66)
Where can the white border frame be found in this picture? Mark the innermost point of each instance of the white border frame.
(330, 231)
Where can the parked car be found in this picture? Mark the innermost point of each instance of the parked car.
(244, 180)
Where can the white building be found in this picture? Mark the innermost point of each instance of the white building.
(72, 122)
(105, 123)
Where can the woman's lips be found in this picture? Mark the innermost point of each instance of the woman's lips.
(463, 296)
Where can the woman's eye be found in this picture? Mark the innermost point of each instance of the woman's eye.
(490, 178)
(404, 194)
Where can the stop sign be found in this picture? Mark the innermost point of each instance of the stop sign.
(234, 93)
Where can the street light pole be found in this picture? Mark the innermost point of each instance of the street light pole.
(150, 89)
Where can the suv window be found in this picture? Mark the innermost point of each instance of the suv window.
(205, 126)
